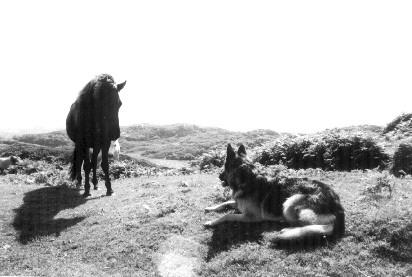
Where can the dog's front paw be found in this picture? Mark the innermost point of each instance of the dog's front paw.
(284, 230)
(209, 209)
(208, 224)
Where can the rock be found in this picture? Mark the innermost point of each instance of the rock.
(184, 184)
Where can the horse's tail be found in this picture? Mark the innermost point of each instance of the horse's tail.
(72, 170)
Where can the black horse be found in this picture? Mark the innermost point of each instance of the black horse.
(93, 122)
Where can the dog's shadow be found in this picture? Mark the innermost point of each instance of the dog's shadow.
(227, 234)
(35, 217)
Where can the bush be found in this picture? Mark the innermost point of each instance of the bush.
(37, 152)
(327, 151)
(402, 160)
(211, 160)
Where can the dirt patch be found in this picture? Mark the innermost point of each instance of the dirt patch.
(179, 257)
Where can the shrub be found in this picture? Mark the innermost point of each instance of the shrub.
(212, 159)
(329, 151)
(402, 160)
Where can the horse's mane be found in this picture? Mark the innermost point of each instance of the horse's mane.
(96, 81)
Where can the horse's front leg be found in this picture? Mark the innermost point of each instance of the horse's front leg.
(105, 167)
(94, 165)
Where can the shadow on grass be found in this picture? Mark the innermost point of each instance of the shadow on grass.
(227, 234)
(399, 245)
(35, 217)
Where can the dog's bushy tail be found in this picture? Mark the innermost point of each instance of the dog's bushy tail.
(72, 170)
(334, 229)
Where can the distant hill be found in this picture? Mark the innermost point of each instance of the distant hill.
(401, 125)
(176, 141)
(184, 141)
(52, 139)
(188, 142)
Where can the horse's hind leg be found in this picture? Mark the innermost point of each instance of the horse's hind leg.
(105, 167)
(86, 168)
(94, 166)
(78, 165)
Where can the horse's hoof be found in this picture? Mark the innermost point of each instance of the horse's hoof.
(109, 193)
(86, 194)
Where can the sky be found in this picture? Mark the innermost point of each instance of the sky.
(289, 66)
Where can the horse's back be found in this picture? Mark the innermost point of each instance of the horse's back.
(79, 119)
(4, 163)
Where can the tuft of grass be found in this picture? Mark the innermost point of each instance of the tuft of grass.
(384, 181)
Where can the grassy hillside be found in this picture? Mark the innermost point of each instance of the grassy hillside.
(401, 125)
(153, 227)
(175, 142)
(52, 139)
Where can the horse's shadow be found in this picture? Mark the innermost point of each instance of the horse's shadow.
(35, 217)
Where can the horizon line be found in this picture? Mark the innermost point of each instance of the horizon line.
(42, 130)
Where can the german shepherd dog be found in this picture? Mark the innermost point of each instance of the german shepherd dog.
(310, 207)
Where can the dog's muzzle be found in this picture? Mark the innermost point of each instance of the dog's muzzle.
(223, 179)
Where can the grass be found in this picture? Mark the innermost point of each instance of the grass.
(152, 226)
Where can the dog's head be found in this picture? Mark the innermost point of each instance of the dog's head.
(237, 170)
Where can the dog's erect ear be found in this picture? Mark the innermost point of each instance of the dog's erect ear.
(230, 154)
(242, 150)
(121, 86)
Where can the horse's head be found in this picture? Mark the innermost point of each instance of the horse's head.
(14, 160)
(107, 95)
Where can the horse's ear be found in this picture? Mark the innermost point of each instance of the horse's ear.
(121, 86)
(241, 150)
(230, 154)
